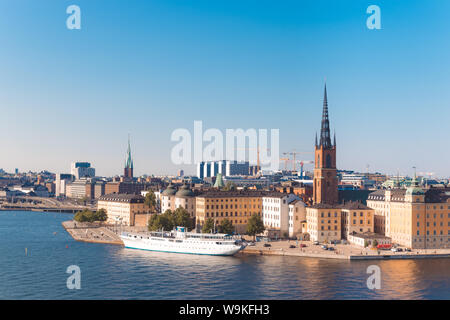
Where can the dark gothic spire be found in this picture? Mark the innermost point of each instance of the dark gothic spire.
(316, 139)
(325, 137)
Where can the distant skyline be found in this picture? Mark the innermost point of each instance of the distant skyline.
(148, 68)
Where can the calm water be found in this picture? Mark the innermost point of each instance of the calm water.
(112, 272)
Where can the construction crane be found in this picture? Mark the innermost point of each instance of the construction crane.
(303, 162)
(257, 154)
(285, 162)
(294, 154)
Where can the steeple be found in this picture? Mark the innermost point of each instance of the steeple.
(325, 137)
(129, 161)
(128, 170)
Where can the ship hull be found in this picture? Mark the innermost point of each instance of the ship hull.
(186, 246)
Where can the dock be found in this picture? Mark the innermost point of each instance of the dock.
(341, 251)
(91, 232)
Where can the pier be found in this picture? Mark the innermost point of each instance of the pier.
(91, 232)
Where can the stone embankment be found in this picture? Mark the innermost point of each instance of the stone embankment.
(91, 232)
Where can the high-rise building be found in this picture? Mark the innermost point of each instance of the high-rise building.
(325, 177)
(128, 171)
(225, 167)
(82, 170)
(62, 179)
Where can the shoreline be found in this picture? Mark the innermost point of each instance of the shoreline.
(263, 252)
(85, 232)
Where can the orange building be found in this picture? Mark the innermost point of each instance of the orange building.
(325, 177)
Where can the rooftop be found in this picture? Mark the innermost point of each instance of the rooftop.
(122, 197)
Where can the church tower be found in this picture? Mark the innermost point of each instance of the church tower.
(128, 171)
(325, 174)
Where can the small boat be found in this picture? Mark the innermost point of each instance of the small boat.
(180, 241)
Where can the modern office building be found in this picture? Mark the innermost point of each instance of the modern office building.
(61, 181)
(76, 189)
(82, 170)
(224, 167)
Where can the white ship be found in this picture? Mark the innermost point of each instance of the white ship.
(180, 241)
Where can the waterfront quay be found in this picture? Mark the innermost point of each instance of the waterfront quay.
(341, 251)
(91, 232)
(109, 234)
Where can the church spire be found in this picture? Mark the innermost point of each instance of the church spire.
(129, 161)
(325, 137)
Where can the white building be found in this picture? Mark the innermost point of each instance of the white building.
(224, 167)
(82, 170)
(60, 183)
(297, 216)
(275, 213)
(76, 189)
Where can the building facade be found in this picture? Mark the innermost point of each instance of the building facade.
(413, 217)
(121, 209)
(82, 170)
(356, 218)
(236, 206)
(323, 222)
(277, 217)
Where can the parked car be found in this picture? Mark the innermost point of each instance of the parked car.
(324, 247)
(316, 243)
(302, 245)
(331, 248)
(292, 246)
(399, 249)
(394, 250)
(408, 249)
(267, 245)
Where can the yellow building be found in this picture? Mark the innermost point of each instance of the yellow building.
(413, 217)
(356, 218)
(121, 209)
(236, 206)
(323, 222)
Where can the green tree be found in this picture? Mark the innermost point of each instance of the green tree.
(150, 201)
(158, 222)
(100, 215)
(182, 218)
(255, 225)
(375, 243)
(366, 243)
(208, 226)
(226, 226)
(84, 216)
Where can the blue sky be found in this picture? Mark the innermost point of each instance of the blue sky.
(149, 67)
